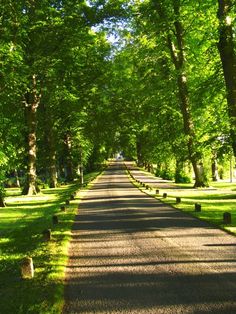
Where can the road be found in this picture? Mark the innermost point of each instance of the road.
(132, 254)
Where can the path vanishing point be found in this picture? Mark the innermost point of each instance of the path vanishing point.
(130, 253)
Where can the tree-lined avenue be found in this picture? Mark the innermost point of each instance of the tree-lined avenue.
(130, 253)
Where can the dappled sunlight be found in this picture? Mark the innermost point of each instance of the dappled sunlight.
(132, 252)
(13, 192)
(214, 201)
(32, 199)
(231, 229)
(147, 292)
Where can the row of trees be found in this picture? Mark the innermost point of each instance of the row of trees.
(53, 96)
(162, 89)
(181, 90)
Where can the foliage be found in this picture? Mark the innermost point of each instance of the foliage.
(106, 76)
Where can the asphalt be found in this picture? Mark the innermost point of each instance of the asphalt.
(130, 253)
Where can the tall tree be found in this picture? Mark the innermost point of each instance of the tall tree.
(32, 101)
(226, 46)
(177, 49)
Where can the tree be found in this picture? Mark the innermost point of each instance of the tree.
(176, 46)
(226, 48)
(3, 162)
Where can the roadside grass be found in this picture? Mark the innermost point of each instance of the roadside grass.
(21, 225)
(214, 201)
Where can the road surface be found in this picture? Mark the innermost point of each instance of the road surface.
(132, 254)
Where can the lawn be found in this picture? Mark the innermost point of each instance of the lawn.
(214, 202)
(21, 225)
(219, 198)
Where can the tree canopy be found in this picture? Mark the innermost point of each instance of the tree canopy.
(83, 80)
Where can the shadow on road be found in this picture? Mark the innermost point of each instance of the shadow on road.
(127, 256)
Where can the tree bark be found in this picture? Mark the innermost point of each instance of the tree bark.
(52, 169)
(32, 102)
(179, 170)
(81, 174)
(214, 168)
(81, 167)
(228, 59)
(17, 178)
(50, 142)
(2, 202)
(139, 152)
(69, 173)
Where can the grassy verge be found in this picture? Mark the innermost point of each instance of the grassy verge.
(21, 225)
(214, 201)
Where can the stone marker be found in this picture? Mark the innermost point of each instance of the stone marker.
(198, 207)
(227, 218)
(164, 195)
(27, 268)
(47, 234)
(178, 200)
(55, 219)
(63, 208)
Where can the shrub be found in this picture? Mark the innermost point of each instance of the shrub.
(167, 174)
(182, 178)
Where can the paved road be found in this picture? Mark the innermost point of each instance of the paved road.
(131, 254)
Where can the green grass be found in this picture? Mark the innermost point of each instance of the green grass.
(21, 225)
(215, 200)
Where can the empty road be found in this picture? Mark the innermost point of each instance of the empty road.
(132, 254)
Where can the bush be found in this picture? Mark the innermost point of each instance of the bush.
(10, 183)
(167, 174)
(182, 178)
(158, 172)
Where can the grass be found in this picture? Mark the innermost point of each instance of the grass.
(214, 203)
(21, 225)
(215, 200)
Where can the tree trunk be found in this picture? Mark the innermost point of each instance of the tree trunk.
(61, 169)
(2, 202)
(200, 176)
(200, 180)
(52, 168)
(69, 173)
(17, 178)
(179, 170)
(176, 47)
(32, 102)
(81, 170)
(139, 153)
(214, 169)
(81, 166)
(31, 188)
(50, 158)
(228, 59)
